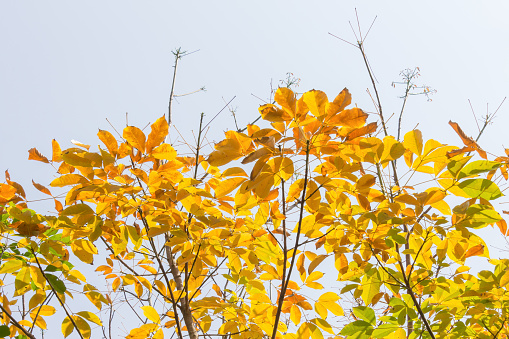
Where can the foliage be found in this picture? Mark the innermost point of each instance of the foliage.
(307, 226)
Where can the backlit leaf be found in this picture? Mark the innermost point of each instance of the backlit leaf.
(159, 131)
(151, 314)
(135, 137)
(109, 141)
(413, 141)
(34, 154)
(480, 188)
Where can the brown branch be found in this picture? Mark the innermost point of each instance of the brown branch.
(294, 254)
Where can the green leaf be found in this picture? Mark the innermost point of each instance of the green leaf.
(365, 313)
(384, 330)
(357, 329)
(57, 284)
(480, 188)
(456, 165)
(4, 331)
(477, 167)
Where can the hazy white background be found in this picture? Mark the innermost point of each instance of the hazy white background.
(66, 66)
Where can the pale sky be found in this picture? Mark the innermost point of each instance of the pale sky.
(66, 66)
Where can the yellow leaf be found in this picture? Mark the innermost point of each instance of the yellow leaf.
(272, 113)
(159, 131)
(67, 327)
(109, 141)
(83, 326)
(354, 118)
(151, 314)
(227, 186)
(286, 99)
(45, 310)
(399, 334)
(335, 309)
(234, 172)
(57, 151)
(135, 137)
(11, 266)
(315, 331)
(316, 101)
(316, 261)
(37, 277)
(68, 179)
(92, 317)
(41, 323)
(164, 152)
(329, 296)
(295, 314)
(226, 151)
(413, 141)
(342, 100)
(84, 250)
(315, 275)
(36, 299)
(504, 280)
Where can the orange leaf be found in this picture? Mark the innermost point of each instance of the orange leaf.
(57, 151)
(502, 225)
(354, 117)
(34, 154)
(468, 141)
(316, 101)
(135, 137)
(286, 99)
(41, 188)
(476, 250)
(272, 113)
(369, 128)
(109, 141)
(7, 192)
(157, 134)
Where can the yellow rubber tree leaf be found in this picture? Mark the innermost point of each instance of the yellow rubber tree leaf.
(159, 131)
(37, 277)
(89, 316)
(316, 101)
(83, 326)
(151, 314)
(286, 99)
(228, 186)
(164, 152)
(413, 141)
(11, 266)
(84, 250)
(109, 141)
(354, 117)
(67, 327)
(57, 151)
(295, 314)
(135, 137)
(273, 113)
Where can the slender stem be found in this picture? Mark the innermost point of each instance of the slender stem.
(294, 254)
(17, 324)
(414, 299)
(58, 297)
(178, 55)
(361, 48)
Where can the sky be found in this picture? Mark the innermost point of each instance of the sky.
(66, 67)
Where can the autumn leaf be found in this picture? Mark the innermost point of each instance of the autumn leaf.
(135, 137)
(34, 154)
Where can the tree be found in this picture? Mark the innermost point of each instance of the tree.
(214, 246)
(307, 225)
